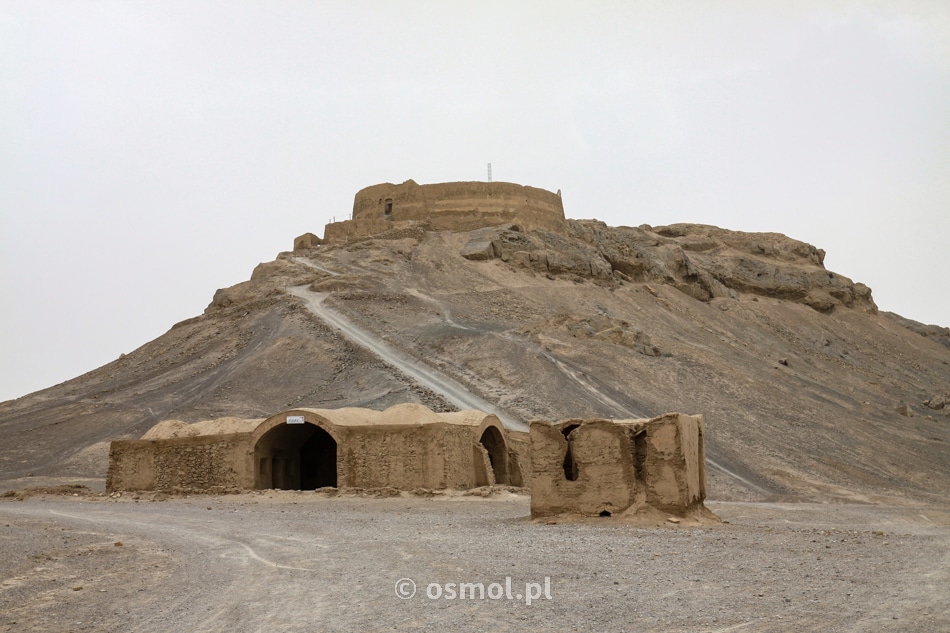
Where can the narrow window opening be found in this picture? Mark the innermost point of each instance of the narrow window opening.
(389, 208)
(639, 453)
(570, 466)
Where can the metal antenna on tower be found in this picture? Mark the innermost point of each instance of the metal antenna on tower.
(489, 172)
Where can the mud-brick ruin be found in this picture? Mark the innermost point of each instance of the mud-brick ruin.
(405, 447)
(611, 467)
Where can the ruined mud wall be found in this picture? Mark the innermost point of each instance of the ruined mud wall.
(607, 467)
(674, 461)
(587, 470)
(429, 456)
(307, 240)
(351, 230)
(519, 457)
(201, 462)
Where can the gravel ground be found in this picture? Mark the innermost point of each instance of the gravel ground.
(291, 561)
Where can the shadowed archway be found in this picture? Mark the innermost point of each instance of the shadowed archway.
(494, 444)
(296, 457)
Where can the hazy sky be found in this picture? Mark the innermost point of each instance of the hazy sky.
(152, 152)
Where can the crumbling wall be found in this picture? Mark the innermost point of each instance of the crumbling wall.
(402, 457)
(610, 467)
(581, 466)
(674, 467)
(519, 457)
(307, 240)
(408, 457)
(181, 463)
(351, 230)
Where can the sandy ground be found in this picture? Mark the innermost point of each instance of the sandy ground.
(292, 561)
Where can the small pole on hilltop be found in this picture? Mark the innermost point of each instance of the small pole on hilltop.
(489, 172)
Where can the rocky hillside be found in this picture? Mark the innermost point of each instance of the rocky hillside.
(808, 390)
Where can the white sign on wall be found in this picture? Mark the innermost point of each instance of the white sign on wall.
(295, 419)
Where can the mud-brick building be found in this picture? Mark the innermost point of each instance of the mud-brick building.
(618, 467)
(405, 447)
(445, 206)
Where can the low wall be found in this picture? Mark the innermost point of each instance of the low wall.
(350, 230)
(430, 456)
(197, 462)
(307, 240)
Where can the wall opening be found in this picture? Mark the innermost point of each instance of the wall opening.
(639, 453)
(318, 461)
(570, 466)
(388, 209)
(494, 443)
(296, 457)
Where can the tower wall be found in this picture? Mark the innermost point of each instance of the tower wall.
(460, 205)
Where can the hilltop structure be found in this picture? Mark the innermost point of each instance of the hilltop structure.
(449, 206)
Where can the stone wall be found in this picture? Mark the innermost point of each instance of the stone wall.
(352, 230)
(184, 463)
(430, 456)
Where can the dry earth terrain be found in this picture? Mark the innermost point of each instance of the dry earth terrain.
(826, 423)
(299, 561)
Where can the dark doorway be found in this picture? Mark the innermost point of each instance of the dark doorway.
(318, 461)
(494, 444)
(296, 457)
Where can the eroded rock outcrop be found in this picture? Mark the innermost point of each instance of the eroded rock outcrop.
(701, 261)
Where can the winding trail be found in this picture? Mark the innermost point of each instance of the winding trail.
(426, 376)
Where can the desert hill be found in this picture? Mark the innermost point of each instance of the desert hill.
(809, 392)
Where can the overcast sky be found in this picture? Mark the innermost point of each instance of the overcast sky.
(152, 152)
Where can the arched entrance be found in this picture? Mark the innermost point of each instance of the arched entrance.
(295, 457)
(494, 444)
